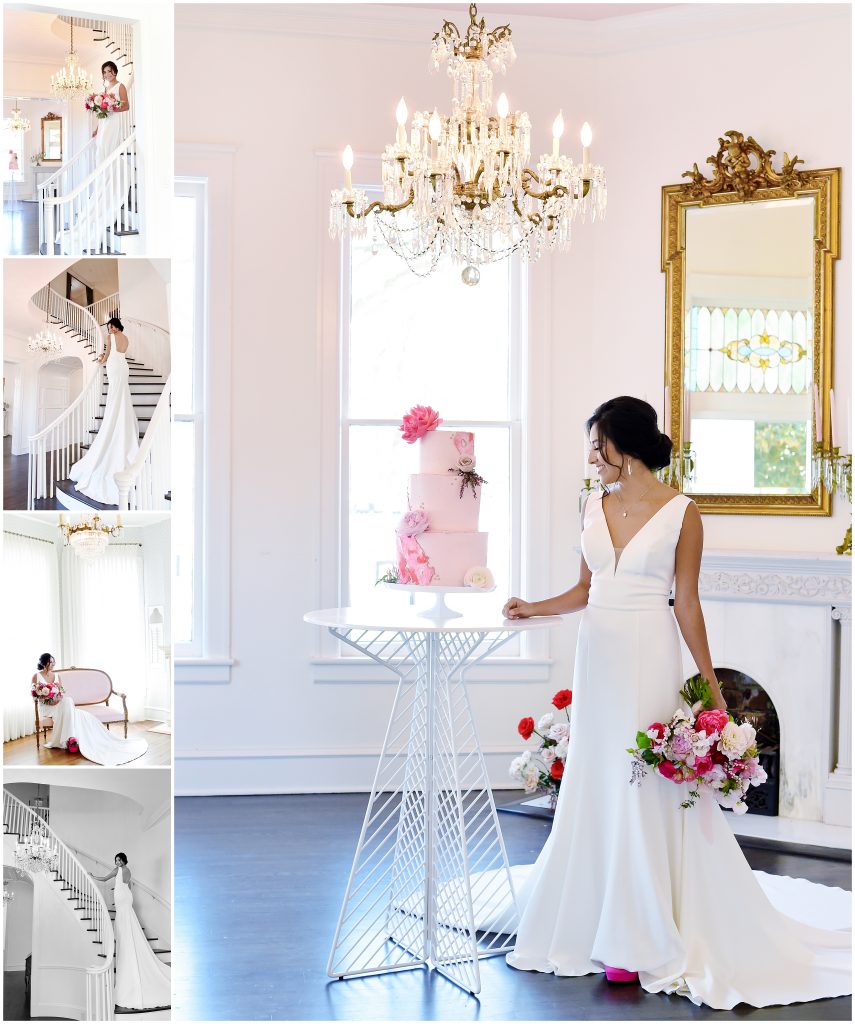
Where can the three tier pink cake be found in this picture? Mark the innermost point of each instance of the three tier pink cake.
(438, 540)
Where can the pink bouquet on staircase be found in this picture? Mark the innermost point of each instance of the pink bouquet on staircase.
(47, 693)
(703, 748)
(102, 103)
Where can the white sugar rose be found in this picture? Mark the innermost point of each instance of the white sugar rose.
(479, 577)
(736, 739)
(545, 722)
(466, 463)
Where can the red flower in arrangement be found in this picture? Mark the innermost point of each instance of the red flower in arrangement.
(526, 728)
(659, 727)
(563, 699)
(703, 764)
(557, 770)
(711, 721)
(670, 771)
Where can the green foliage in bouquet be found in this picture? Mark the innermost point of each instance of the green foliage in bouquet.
(697, 692)
(389, 576)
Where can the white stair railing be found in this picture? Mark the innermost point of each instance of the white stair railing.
(20, 821)
(54, 449)
(148, 344)
(68, 313)
(79, 220)
(64, 181)
(145, 483)
(105, 308)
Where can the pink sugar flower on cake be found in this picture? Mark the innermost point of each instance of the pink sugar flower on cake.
(413, 523)
(420, 420)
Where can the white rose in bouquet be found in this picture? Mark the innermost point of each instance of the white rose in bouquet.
(548, 755)
(530, 777)
(736, 739)
(516, 769)
(526, 758)
(561, 748)
(546, 721)
(559, 731)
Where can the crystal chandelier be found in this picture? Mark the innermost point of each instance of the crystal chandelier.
(71, 80)
(89, 537)
(460, 183)
(36, 852)
(16, 122)
(8, 895)
(45, 341)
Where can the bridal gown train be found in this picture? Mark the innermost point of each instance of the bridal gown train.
(117, 442)
(629, 879)
(94, 740)
(142, 980)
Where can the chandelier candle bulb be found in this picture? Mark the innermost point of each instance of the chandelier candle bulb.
(817, 415)
(347, 162)
(836, 435)
(587, 139)
(557, 132)
(502, 108)
(401, 116)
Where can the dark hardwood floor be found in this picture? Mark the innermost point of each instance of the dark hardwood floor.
(15, 474)
(20, 228)
(16, 1003)
(258, 883)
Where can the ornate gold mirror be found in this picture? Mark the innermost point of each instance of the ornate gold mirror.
(747, 255)
(52, 138)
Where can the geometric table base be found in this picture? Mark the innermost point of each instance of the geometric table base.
(430, 859)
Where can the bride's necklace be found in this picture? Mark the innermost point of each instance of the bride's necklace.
(637, 501)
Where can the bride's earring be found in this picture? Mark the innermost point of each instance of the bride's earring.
(629, 468)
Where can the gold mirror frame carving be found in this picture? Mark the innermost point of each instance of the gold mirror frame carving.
(743, 172)
(50, 116)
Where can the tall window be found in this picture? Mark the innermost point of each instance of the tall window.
(434, 341)
(13, 151)
(188, 430)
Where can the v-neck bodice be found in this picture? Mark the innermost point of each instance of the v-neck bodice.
(641, 573)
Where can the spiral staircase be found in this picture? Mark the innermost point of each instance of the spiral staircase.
(55, 448)
(95, 208)
(73, 891)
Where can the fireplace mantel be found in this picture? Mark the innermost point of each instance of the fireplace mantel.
(792, 577)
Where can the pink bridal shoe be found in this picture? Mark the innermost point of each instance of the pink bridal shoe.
(619, 974)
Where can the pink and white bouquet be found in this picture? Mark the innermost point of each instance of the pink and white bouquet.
(543, 767)
(702, 747)
(47, 693)
(102, 103)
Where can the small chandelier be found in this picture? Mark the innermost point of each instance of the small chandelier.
(16, 122)
(71, 80)
(45, 342)
(460, 183)
(8, 895)
(89, 537)
(36, 852)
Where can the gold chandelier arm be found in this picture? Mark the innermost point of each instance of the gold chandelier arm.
(382, 207)
(557, 192)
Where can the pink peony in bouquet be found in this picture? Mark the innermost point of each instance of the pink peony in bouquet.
(47, 693)
(102, 103)
(703, 748)
(543, 767)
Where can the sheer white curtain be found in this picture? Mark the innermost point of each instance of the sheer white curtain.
(104, 615)
(32, 624)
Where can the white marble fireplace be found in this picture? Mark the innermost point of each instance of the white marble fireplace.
(785, 619)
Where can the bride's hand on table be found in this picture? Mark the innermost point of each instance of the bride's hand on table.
(516, 608)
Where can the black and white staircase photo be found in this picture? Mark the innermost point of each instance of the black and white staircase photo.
(66, 914)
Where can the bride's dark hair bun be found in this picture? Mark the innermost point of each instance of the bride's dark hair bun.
(109, 64)
(114, 321)
(629, 425)
(44, 661)
(123, 857)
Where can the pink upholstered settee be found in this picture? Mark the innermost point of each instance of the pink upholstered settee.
(86, 687)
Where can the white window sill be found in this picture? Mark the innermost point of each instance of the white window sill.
(203, 670)
(492, 670)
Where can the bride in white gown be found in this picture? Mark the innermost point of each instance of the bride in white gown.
(94, 740)
(143, 982)
(117, 442)
(628, 881)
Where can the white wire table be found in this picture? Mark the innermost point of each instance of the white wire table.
(430, 859)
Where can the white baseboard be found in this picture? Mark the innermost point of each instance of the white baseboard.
(838, 799)
(239, 773)
(22, 966)
(156, 714)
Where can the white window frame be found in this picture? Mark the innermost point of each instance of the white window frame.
(529, 452)
(206, 172)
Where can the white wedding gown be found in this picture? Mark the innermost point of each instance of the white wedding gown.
(142, 981)
(95, 741)
(116, 444)
(629, 879)
(107, 139)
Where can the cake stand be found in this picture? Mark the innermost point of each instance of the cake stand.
(439, 609)
(430, 856)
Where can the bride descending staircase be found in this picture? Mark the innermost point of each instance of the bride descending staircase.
(73, 951)
(78, 207)
(54, 449)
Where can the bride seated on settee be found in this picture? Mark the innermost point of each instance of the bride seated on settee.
(57, 701)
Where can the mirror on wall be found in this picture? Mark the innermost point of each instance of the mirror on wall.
(747, 254)
(52, 138)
